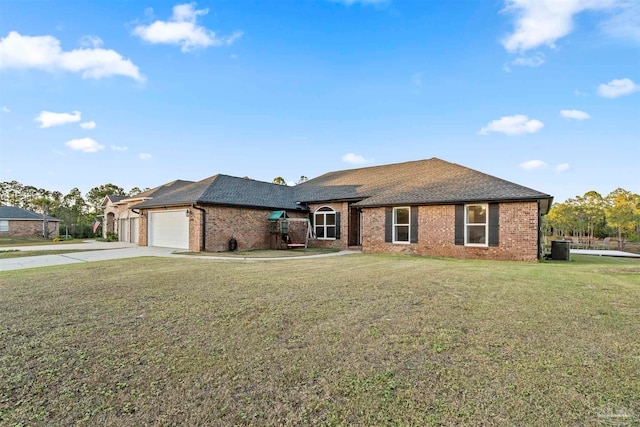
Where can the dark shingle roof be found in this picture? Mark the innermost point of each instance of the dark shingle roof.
(14, 213)
(227, 190)
(114, 199)
(162, 189)
(431, 181)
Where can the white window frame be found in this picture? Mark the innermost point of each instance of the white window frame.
(324, 214)
(467, 224)
(4, 225)
(408, 225)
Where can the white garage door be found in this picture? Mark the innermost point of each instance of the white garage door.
(134, 230)
(169, 229)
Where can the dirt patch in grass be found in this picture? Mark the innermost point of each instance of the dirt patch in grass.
(356, 340)
(267, 253)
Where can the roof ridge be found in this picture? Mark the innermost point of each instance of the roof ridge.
(378, 166)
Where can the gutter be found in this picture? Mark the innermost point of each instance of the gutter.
(203, 246)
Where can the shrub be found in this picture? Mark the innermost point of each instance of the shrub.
(111, 237)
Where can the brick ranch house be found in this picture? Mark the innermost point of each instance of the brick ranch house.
(18, 222)
(425, 207)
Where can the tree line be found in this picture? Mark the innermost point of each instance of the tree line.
(75, 211)
(594, 216)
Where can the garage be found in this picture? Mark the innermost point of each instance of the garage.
(134, 230)
(169, 229)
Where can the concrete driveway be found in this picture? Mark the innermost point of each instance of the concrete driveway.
(117, 250)
(108, 251)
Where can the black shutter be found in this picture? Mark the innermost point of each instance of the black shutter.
(388, 225)
(414, 224)
(459, 233)
(337, 225)
(494, 224)
(311, 219)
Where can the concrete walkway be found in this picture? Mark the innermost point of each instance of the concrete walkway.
(600, 252)
(117, 250)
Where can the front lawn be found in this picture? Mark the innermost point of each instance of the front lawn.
(351, 340)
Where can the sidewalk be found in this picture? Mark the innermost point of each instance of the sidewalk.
(601, 252)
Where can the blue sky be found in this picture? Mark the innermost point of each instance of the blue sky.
(542, 93)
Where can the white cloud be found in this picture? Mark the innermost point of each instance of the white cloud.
(529, 61)
(5, 109)
(118, 148)
(182, 30)
(48, 119)
(512, 125)
(88, 125)
(354, 159)
(618, 87)
(563, 167)
(44, 53)
(86, 145)
(626, 23)
(145, 156)
(533, 164)
(543, 22)
(91, 41)
(575, 114)
(579, 93)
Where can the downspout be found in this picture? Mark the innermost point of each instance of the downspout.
(203, 247)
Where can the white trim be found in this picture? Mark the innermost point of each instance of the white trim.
(394, 225)
(486, 225)
(315, 223)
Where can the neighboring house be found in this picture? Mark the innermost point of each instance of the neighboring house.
(119, 218)
(426, 207)
(18, 222)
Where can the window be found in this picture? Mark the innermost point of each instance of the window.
(401, 225)
(4, 225)
(476, 227)
(325, 223)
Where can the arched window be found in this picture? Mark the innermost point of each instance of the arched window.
(324, 220)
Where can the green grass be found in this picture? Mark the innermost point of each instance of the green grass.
(354, 340)
(259, 253)
(32, 241)
(4, 254)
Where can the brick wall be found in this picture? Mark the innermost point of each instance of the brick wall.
(27, 228)
(142, 229)
(342, 243)
(436, 229)
(248, 226)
